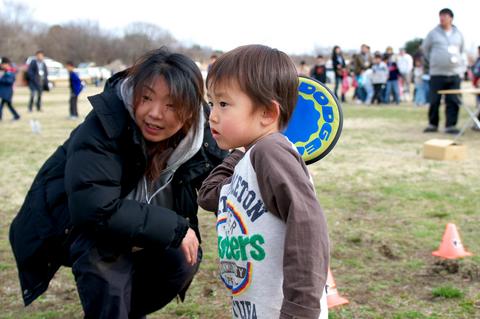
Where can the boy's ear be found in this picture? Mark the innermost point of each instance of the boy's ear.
(271, 114)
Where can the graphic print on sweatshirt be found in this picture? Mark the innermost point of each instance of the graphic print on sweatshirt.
(250, 246)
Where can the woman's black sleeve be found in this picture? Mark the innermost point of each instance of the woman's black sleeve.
(93, 176)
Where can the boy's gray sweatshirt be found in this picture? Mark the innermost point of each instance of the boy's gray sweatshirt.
(443, 52)
(272, 234)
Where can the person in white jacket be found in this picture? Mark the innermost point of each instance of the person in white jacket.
(405, 67)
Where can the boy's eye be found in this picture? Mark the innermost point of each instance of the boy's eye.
(223, 104)
(210, 104)
(146, 98)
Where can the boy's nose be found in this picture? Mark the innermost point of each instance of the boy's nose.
(213, 117)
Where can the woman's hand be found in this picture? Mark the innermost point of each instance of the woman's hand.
(189, 247)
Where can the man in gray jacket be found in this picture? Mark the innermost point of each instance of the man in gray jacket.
(443, 48)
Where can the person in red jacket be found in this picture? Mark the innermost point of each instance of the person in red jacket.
(7, 81)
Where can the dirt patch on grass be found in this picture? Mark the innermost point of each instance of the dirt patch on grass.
(468, 271)
(446, 266)
(387, 252)
(471, 272)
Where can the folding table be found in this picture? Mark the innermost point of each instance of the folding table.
(472, 112)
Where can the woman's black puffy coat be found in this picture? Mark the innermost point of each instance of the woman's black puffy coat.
(82, 186)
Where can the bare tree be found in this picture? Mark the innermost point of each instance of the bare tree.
(140, 37)
(152, 32)
(82, 41)
(17, 27)
(16, 13)
(197, 52)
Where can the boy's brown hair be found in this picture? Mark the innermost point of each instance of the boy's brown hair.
(262, 73)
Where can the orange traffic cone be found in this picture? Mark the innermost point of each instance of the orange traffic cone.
(451, 246)
(333, 298)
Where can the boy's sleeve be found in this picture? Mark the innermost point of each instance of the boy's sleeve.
(209, 193)
(288, 193)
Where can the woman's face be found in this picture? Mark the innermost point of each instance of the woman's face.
(155, 113)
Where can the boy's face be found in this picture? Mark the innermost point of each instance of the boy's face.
(234, 121)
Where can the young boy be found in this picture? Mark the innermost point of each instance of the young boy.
(379, 78)
(75, 88)
(272, 234)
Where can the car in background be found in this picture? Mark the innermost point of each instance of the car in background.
(92, 74)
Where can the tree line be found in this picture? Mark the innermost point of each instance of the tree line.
(79, 41)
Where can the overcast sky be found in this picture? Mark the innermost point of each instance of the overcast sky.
(295, 26)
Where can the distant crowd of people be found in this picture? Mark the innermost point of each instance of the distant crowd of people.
(375, 78)
(383, 78)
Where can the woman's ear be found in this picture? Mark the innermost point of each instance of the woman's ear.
(271, 114)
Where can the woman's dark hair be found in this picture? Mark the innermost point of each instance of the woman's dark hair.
(185, 82)
(334, 51)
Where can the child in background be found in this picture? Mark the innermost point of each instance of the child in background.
(319, 70)
(345, 82)
(379, 78)
(213, 58)
(76, 87)
(420, 99)
(392, 86)
(272, 234)
(366, 80)
(303, 69)
(7, 80)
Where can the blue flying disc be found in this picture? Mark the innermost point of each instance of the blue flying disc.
(316, 122)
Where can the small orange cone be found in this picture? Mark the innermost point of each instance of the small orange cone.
(451, 246)
(333, 298)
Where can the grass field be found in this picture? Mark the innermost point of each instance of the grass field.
(386, 206)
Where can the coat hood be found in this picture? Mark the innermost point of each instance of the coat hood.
(185, 150)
